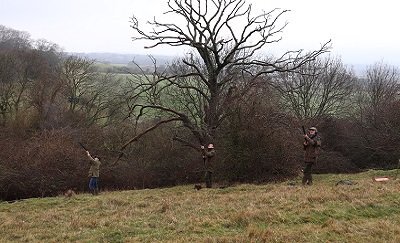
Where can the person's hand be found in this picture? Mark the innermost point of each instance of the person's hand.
(202, 147)
(306, 136)
(305, 143)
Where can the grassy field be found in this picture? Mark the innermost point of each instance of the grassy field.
(367, 211)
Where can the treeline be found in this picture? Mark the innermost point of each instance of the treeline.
(49, 102)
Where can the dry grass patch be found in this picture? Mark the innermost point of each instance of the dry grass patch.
(365, 211)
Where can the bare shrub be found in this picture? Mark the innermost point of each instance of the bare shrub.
(258, 144)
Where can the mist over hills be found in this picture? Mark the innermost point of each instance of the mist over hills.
(144, 60)
(116, 58)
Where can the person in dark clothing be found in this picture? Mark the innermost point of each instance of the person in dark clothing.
(94, 173)
(311, 147)
(208, 155)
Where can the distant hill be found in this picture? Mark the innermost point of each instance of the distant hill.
(116, 58)
(144, 60)
(359, 69)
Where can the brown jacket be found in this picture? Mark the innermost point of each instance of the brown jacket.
(94, 170)
(208, 155)
(312, 147)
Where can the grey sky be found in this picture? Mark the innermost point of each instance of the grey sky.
(362, 32)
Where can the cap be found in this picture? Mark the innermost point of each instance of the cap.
(313, 128)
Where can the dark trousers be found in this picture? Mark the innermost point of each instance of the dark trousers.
(208, 179)
(307, 178)
(94, 185)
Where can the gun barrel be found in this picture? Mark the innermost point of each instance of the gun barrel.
(82, 146)
(304, 130)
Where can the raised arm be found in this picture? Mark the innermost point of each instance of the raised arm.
(90, 157)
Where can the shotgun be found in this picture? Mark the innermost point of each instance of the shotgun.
(304, 132)
(83, 146)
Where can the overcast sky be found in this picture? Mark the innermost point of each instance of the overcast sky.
(362, 32)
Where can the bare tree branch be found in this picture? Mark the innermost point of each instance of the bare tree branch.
(137, 137)
(226, 39)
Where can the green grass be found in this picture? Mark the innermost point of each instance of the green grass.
(365, 212)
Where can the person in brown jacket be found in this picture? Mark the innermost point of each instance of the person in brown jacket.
(311, 147)
(208, 155)
(94, 173)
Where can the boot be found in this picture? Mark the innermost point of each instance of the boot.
(304, 182)
(309, 181)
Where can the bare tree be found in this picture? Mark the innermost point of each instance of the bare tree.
(377, 93)
(15, 71)
(11, 39)
(225, 40)
(101, 102)
(321, 87)
(46, 85)
(382, 86)
(78, 76)
(8, 77)
(377, 118)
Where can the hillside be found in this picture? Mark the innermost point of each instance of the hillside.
(366, 211)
